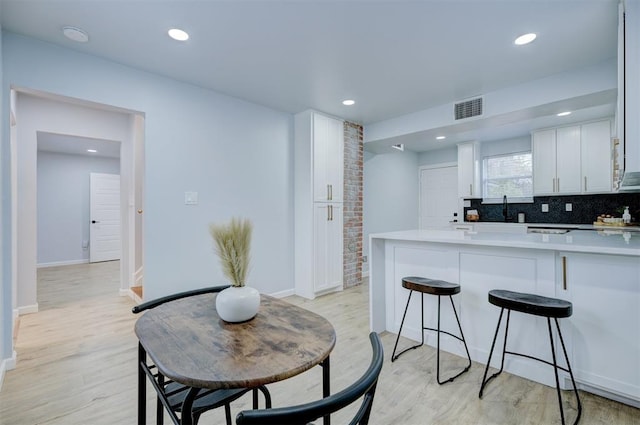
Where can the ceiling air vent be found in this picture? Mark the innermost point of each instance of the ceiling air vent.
(468, 108)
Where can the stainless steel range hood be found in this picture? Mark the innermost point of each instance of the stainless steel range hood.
(630, 182)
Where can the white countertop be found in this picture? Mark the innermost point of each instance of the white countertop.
(606, 241)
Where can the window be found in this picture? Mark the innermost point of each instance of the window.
(509, 175)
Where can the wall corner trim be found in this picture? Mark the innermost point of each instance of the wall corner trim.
(7, 364)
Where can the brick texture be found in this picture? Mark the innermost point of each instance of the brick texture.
(353, 167)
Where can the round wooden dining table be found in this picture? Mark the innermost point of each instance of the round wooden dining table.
(189, 343)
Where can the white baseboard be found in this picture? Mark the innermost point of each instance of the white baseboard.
(7, 364)
(27, 309)
(283, 294)
(62, 263)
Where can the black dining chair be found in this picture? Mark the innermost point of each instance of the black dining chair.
(171, 394)
(302, 414)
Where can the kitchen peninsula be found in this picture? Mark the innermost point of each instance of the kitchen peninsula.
(598, 271)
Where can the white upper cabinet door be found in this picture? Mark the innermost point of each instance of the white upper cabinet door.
(568, 160)
(544, 162)
(468, 171)
(596, 157)
(328, 159)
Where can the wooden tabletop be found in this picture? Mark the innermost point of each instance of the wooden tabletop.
(190, 344)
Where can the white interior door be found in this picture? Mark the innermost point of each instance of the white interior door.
(104, 226)
(438, 196)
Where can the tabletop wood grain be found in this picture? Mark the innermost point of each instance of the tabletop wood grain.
(190, 344)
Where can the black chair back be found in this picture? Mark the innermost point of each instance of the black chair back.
(158, 301)
(364, 388)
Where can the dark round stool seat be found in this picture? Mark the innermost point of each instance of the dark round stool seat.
(430, 286)
(530, 303)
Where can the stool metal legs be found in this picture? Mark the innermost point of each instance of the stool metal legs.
(394, 356)
(555, 365)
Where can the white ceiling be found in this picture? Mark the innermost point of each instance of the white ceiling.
(392, 57)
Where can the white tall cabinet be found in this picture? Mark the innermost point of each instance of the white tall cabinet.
(318, 187)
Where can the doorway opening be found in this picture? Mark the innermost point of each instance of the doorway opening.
(37, 116)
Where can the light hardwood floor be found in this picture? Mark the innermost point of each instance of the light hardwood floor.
(77, 365)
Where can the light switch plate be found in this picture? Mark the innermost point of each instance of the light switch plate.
(568, 207)
(191, 198)
(545, 207)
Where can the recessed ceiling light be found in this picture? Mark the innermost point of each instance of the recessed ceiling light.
(564, 114)
(525, 39)
(178, 34)
(441, 137)
(75, 34)
(399, 146)
(348, 102)
(92, 150)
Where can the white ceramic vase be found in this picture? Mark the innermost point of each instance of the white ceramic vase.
(238, 303)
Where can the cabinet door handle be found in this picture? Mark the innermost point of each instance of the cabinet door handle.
(328, 192)
(471, 190)
(564, 273)
(585, 183)
(558, 184)
(553, 183)
(328, 213)
(331, 192)
(331, 213)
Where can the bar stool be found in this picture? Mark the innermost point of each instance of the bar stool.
(536, 305)
(439, 288)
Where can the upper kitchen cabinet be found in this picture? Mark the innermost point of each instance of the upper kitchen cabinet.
(556, 165)
(595, 157)
(328, 158)
(572, 160)
(469, 170)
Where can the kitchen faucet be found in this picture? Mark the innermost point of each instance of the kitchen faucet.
(505, 209)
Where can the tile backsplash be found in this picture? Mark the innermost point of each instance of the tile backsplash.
(584, 208)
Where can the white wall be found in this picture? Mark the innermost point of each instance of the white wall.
(195, 140)
(6, 309)
(63, 205)
(503, 147)
(440, 156)
(390, 193)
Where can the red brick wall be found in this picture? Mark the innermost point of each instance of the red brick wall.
(353, 166)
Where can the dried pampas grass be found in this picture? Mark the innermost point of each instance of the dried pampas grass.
(233, 245)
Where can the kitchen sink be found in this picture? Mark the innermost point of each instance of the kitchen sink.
(547, 231)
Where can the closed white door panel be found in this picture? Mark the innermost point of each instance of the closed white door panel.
(104, 227)
(438, 196)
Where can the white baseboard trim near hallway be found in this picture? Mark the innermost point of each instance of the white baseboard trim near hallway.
(283, 294)
(62, 263)
(27, 309)
(7, 364)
